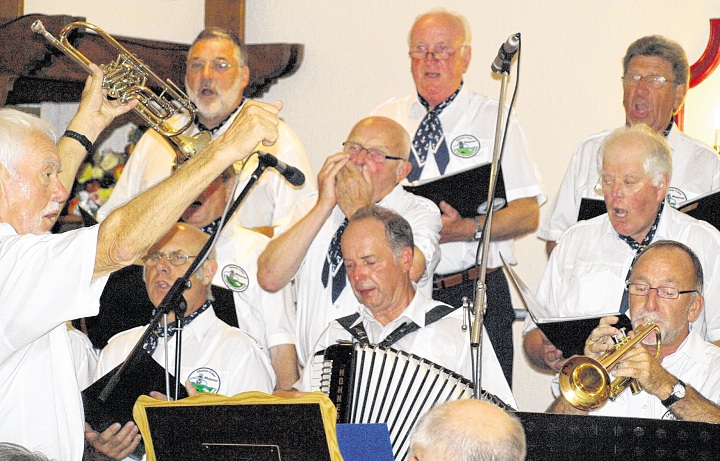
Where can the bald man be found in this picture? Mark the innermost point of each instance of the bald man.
(467, 430)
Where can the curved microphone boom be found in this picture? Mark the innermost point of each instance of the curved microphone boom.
(506, 53)
(290, 173)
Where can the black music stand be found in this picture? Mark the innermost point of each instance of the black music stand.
(251, 425)
(551, 436)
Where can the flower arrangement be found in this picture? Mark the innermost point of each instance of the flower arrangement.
(97, 177)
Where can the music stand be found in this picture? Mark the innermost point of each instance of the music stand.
(250, 425)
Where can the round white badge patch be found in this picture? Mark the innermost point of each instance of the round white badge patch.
(465, 146)
(205, 380)
(675, 196)
(235, 278)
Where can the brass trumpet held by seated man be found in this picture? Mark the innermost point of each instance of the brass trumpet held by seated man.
(585, 382)
(678, 378)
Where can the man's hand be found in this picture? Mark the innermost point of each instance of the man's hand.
(601, 338)
(455, 228)
(115, 442)
(639, 364)
(96, 111)
(327, 177)
(353, 189)
(256, 123)
(542, 352)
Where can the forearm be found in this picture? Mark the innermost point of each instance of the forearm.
(131, 229)
(285, 364)
(695, 407)
(281, 259)
(519, 218)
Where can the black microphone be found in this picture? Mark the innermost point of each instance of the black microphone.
(506, 53)
(290, 173)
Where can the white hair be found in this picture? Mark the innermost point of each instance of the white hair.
(15, 127)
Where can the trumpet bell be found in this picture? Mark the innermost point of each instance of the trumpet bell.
(584, 383)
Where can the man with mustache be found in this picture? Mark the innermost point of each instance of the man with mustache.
(48, 279)
(683, 382)
(656, 78)
(216, 75)
(587, 272)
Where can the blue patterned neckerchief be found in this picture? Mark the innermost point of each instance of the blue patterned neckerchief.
(151, 343)
(429, 138)
(334, 266)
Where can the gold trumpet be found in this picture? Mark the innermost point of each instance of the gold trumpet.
(128, 78)
(585, 382)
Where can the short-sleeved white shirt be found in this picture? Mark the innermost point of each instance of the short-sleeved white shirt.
(470, 120)
(45, 280)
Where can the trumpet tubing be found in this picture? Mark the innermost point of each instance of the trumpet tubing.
(127, 78)
(585, 382)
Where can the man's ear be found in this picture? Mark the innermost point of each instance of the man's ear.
(403, 170)
(696, 308)
(245, 76)
(209, 271)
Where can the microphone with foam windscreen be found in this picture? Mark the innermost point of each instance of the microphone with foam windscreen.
(290, 173)
(505, 53)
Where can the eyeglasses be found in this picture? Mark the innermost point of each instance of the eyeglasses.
(628, 186)
(176, 258)
(441, 53)
(376, 155)
(643, 289)
(196, 66)
(653, 81)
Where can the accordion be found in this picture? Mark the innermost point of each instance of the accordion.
(372, 384)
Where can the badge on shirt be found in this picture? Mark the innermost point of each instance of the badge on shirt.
(675, 196)
(235, 278)
(465, 146)
(205, 380)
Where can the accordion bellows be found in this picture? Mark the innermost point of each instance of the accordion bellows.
(372, 384)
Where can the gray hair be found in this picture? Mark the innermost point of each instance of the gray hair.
(455, 15)
(661, 47)
(15, 127)
(397, 230)
(14, 452)
(697, 265)
(658, 160)
(218, 33)
(448, 434)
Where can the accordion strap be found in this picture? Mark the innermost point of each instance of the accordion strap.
(357, 329)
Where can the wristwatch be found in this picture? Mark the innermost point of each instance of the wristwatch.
(678, 392)
(478, 229)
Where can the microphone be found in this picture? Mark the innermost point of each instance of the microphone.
(290, 173)
(506, 53)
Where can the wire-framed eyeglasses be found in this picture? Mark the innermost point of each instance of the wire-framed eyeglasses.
(376, 155)
(643, 289)
(176, 258)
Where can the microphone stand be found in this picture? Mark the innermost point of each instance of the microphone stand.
(174, 301)
(480, 303)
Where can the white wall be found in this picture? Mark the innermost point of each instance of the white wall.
(356, 57)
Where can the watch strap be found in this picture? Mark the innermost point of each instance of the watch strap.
(82, 139)
(673, 397)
